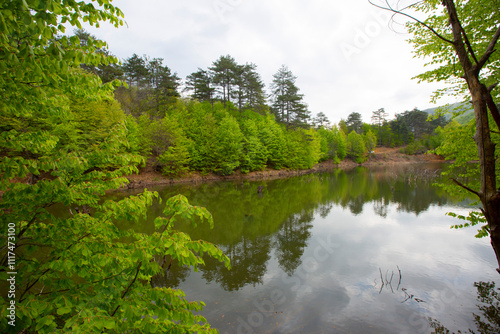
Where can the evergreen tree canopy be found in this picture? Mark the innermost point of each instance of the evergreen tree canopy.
(288, 105)
(354, 122)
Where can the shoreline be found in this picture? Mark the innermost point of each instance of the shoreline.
(382, 157)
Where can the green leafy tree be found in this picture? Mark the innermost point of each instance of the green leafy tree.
(460, 39)
(343, 127)
(107, 72)
(333, 144)
(254, 154)
(370, 141)
(75, 270)
(303, 148)
(202, 131)
(164, 139)
(326, 144)
(355, 146)
(339, 144)
(229, 145)
(273, 138)
(386, 135)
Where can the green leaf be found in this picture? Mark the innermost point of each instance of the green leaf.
(63, 310)
(109, 323)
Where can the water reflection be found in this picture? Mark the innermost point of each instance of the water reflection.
(488, 319)
(291, 241)
(253, 219)
(248, 262)
(305, 252)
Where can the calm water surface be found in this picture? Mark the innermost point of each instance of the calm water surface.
(363, 251)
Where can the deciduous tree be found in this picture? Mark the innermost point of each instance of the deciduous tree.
(355, 146)
(107, 72)
(460, 38)
(75, 270)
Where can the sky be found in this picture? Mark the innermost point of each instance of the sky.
(346, 55)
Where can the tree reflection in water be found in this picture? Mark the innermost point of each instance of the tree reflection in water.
(303, 237)
(488, 320)
(252, 223)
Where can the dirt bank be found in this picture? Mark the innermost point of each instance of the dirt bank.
(393, 156)
(383, 156)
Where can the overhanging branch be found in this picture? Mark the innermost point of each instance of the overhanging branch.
(400, 12)
(495, 113)
(489, 50)
(490, 88)
(466, 188)
(129, 286)
(467, 43)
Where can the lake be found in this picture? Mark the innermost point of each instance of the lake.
(359, 251)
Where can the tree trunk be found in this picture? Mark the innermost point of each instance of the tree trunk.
(488, 194)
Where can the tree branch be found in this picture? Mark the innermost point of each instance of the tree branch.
(395, 11)
(466, 188)
(94, 282)
(489, 50)
(491, 104)
(128, 287)
(490, 88)
(29, 286)
(467, 43)
(20, 234)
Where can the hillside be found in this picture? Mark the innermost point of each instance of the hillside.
(460, 107)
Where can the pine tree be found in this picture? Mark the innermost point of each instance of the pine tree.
(378, 118)
(135, 71)
(200, 83)
(288, 105)
(354, 122)
(107, 72)
(223, 70)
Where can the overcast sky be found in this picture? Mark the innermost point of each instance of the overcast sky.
(344, 53)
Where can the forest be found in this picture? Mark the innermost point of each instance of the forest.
(74, 122)
(221, 119)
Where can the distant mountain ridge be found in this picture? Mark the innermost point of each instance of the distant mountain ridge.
(450, 109)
